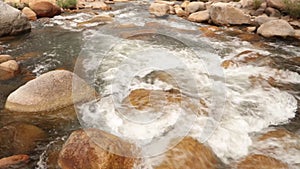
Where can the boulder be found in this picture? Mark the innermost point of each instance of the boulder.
(263, 19)
(15, 161)
(94, 149)
(8, 69)
(12, 21)
(180, 12)
(158, 9)
(184, 4)
(4, 58)
(50, 91)
(278, 4)
(261, 161)
(272, 12)
(45, 9)
(195, 6)
(189, 154)
(200, 16)
(29, 13)
(19, 138)
(24, 3)
(276, 28)
(226, 14)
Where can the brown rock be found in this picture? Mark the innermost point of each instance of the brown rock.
(189, 154)
(278, 4)
(165, 2)
(184, 4)
(272, 12)
(4, 58)
(180, 12)
(15, 161)
(29, 13)
(263, 19)
(200, 16)
(279, 133)
(45, 9)
(83, 151)
(276, 28)
(158, 9)
(19, 138)
(8, 69)
(195, 6)
(255, 161)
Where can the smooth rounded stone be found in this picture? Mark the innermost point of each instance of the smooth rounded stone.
(180, 12)
(276, 28)
(272, 12)
(226, 14)
(19, 138)
(82, 150)
(8, 69)
(263, 19)
(12, 21)
(97, 19)
(195, 6)
(200, 16)
(50, 91)
(15, 161)
(158, 9)
(4, 58)
(184, 4)
(45, 9)
(189, 154)
(29, 13)
(278, 4)
(255, 161)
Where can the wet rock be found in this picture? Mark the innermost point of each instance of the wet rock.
(45, 9)
(158, 9)
(4, 58)
(200, 16)
(278, 4)
(276, 28)
(94, 149)
(29, 13)
(189, 154)
(14, 162)
(272, 12)
(8, 69)
(25, 3)
(50, 91)
(12, 21)
(180, 12)
(97, 19)
(195, 6)
(278, 133)
(226, 14)
(263, 19)
(254, 161)
(19, 138)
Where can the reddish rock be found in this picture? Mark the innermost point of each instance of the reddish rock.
(45, 9)
(8, 69)
(15, 161)
(255, 161)
(29, 13)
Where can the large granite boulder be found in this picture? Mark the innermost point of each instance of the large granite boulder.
(12, 21)
(50, 91)
(277, 27)
(226, 14)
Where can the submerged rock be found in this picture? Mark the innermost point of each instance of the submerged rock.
(8, 69)
(45, 9)
(226, 14)
(19, 138)
(50, 91)
(15, 161)
(189, 154)
(12, 21)
(276, 28)
(82, 150)
(159, 9)
(254, 161)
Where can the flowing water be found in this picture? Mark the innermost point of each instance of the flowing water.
(257, 93)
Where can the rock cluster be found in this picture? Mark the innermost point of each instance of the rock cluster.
(267, 17)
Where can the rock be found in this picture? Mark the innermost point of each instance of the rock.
(8, 69)
(275, 134)
(272, 12)
(180, 12)
(184, 4)
(278, 4)
(226, 14)
(297, 33)
(91, 149)
(50, 91)
(45, 9)
(170, 3)
(159, 9)
(12, 21)
(195, 6)
(189, 154)
(200, 16)
(15, 161)
(99, 5)
(247, 3)
(276, 28)
(4, 58)
(29, 13)
(254, 161)
(251, 29)
(172, 10)
(263, 19)
(295, 24)
(97, 19)
(25, 3)
(19, 138)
